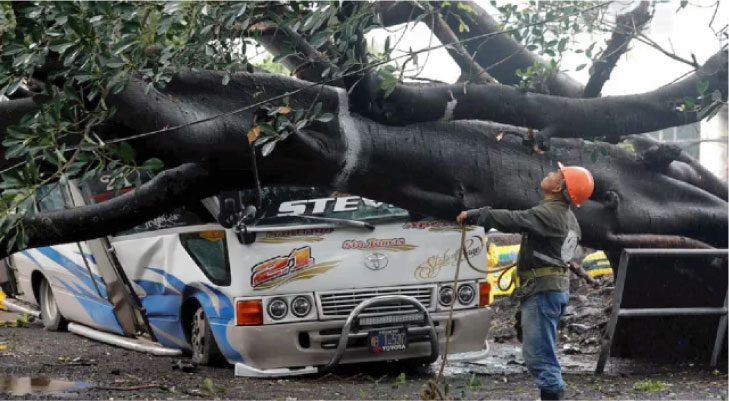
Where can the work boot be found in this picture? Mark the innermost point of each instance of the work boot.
(550, 395)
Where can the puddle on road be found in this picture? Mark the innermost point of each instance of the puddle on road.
(18, 385)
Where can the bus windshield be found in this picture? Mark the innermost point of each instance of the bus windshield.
(283, 204)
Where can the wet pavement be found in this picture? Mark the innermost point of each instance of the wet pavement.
(37, 364)
(22, 385)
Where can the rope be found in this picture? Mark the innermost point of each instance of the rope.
(503, 270)
(431, 390)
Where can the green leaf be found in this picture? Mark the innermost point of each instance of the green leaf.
(60, 46)
(126, 152)
(19, 132)
(122, 46)
(562, 45)
(268, 148)
(81, 78)
(267, 129)
(325, 118)
(154, 164)
(261, 140)
(207, 385)
(226, 79)
(72, 55)
(580, 67)
(13, 49)
(702, 85)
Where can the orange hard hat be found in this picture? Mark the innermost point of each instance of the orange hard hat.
(579, 182)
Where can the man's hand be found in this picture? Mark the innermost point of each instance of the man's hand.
(461, 218)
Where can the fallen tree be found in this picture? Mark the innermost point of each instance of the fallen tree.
(432, 149)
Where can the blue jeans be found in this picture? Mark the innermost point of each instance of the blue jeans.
(540, 314)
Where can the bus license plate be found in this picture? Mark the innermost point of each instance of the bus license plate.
(388, 340)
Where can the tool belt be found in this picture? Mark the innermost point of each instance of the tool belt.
(524, 280)
(531, 274)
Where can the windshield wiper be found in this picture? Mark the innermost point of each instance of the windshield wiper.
(331, 220)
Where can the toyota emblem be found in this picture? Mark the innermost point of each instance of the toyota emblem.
(376, 261)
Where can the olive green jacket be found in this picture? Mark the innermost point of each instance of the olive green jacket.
(550, 234)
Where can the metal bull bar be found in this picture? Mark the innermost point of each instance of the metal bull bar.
(384, 299)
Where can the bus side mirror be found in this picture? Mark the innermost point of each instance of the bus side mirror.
(230, 208)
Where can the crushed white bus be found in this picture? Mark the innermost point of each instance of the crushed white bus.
(315, 280)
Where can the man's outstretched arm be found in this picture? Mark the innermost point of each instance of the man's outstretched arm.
(501, 219)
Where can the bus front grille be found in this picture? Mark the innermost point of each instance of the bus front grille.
(339, 304)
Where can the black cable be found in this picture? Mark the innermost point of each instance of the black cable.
(259, 191)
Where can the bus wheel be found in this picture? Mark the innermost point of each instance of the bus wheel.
(51, 316)
(204, 349)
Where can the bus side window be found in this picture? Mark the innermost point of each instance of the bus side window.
(209, 251)
(53, 197)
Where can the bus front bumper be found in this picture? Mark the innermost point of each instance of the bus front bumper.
(310, 347)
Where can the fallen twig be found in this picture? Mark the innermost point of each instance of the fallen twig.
(328, 375)
(71, 364)
(354, 376)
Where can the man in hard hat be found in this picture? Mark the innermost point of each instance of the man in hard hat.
(550, 234)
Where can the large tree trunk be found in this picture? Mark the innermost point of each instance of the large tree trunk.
(435, 168)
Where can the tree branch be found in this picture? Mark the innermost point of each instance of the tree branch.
(168, 190)
(469, 68)
(656, 241)
(677, 163)
(611, 117)
(627, 26)
(306, 63)
(641, 37)
(501, 55)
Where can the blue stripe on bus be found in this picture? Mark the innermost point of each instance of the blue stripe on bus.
(219, 319)
(175, 282)
(29, 256)
(100, 312)
(74, 268)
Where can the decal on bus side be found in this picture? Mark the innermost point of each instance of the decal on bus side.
(301, 235)
(298, 264)
(432, 266)
(388, 244)
(434, 226)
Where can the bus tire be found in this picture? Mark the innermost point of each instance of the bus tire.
(50, 314)
(205, 350)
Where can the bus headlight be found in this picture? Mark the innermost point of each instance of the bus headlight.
(445, 296)
(277, 308)
(466, 293)
(301, 306)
